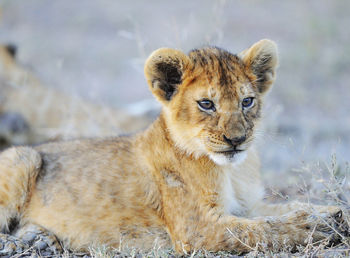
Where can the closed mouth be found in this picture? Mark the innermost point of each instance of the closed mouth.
(229, 152)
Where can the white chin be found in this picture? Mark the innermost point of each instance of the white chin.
(221, 159)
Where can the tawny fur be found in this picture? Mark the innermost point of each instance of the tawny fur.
(18, 170)
(170, 185)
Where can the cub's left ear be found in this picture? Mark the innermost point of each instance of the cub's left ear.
(164, 71)
(262, 59)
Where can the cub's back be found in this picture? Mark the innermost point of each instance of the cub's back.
(85, 169)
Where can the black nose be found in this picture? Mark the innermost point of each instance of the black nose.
(236, 140)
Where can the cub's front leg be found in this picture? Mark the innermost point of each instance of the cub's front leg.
(268, 209)
(215, 233)
(193, 227)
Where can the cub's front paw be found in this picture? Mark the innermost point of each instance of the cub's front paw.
(316, 225)
(334, 215)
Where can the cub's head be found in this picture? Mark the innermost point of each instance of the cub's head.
(211, 98)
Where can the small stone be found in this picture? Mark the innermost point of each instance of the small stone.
(41, 245)
(47, 254)
(11, 246)
(29, 237)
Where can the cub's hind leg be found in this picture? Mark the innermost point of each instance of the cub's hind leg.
(19, 167)
(28, 240)
(39, 239)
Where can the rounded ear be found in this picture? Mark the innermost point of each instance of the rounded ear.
(164, 71)
(262, 59)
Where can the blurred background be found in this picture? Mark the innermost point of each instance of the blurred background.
(95, 50)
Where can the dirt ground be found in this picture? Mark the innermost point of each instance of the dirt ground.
(96, 49)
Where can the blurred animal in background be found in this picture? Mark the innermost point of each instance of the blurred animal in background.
(31, 112)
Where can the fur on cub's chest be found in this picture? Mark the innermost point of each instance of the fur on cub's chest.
(241, 187)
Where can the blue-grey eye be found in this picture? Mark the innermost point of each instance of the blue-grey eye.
(247, 102)
(206, 104)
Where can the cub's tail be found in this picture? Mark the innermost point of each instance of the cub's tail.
(19, 167)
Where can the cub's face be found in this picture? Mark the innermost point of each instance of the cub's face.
(211, 98)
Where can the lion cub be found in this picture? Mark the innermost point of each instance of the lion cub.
(190, 181)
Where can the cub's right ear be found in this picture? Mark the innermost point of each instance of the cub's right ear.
(164, 71)
(262, 59)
